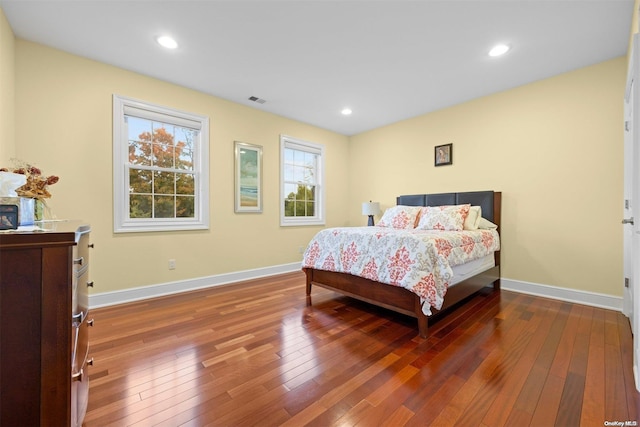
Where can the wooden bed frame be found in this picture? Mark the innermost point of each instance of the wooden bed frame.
(402, 300)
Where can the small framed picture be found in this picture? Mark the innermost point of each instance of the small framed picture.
(443, 154)
(8, 217)
(248, 177)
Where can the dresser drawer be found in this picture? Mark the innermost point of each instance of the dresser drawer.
(80, 326)
(79, 398)
(80, 341)
(80, 368)
(80, 295)
(81, 250)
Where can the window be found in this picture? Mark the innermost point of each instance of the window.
(160, 168)
(301, 177)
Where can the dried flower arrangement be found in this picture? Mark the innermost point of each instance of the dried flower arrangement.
(36, 185)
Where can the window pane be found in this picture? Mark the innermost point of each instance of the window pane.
(185, 207)
(309, 175)
(288, 155)
(310, 209)
(139, 153)
(301, 193)
(298, 174)
(184, 157)
(161, 135)
(311, 165)
(185, 136)
(163, 149)
(139, 206)
(164, 207)
(139, 181)
(140, 136)
(163, 182)
(163, 155)
(290, 191)
(288, 172)
(137, 127)
(185, 184)
(309, 159)
(289, 207)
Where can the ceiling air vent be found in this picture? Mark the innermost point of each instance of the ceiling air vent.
(256, 99)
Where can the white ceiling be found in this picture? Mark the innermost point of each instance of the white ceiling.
(387, 60)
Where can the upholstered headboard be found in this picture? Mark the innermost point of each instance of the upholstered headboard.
(488, 200)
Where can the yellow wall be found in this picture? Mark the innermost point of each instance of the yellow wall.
(555, 150)
(7, 92)
(64, 122)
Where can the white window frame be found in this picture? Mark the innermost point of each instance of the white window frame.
(311, 147)
(122, 223)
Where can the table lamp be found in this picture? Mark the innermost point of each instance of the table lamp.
(370, 208)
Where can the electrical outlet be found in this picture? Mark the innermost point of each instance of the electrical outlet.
(172, 264)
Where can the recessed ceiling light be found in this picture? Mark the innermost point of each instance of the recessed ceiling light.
(346, 111)
(167, 42)
(499, 49)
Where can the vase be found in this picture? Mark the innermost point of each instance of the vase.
(38, 210)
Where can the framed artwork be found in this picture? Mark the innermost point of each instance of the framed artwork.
(8, 217)
(248, 177)
(443, 154)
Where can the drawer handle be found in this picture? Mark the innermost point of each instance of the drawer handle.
(90, 362)
(77, 318)
(79, 261)
(90, 322)
(90, 245)
(77, 376)
(90, 284)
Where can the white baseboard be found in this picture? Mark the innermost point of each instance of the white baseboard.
(563, 294)
(105, 299)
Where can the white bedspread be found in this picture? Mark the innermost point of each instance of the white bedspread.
(417, 260)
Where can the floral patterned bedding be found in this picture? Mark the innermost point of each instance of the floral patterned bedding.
(417, 260)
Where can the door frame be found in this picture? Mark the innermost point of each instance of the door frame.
(631, 202)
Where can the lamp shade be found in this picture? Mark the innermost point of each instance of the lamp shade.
(370, 208)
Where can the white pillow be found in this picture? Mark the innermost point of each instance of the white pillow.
(400, 217)
(485, 224)
(445, 218)
(473, 218)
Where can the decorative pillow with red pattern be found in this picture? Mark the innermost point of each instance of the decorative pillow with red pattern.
(445, 218)
(400, 217)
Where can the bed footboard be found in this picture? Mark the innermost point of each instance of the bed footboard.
(395, 298)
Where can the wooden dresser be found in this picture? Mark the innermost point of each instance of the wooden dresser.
(39, 329)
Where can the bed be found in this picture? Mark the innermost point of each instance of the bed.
(397, 298)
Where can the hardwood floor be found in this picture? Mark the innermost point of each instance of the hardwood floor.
(257, 354)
